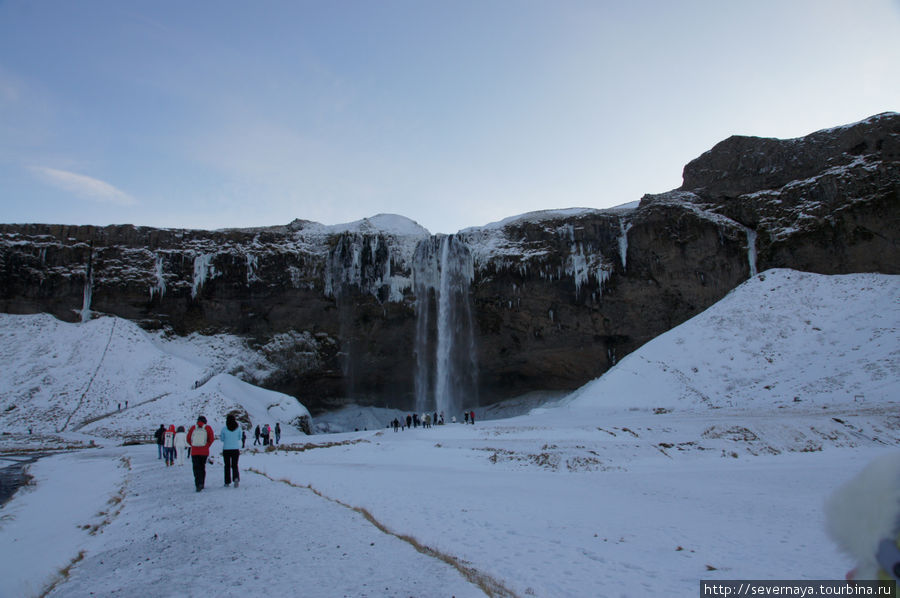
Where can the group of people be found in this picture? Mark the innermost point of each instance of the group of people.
(268, 435)
(171, 444)
(427, 420)
(175, 444)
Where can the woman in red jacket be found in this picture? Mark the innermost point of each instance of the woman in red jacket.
(200, 437)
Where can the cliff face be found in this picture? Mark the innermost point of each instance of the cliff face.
(381, 312)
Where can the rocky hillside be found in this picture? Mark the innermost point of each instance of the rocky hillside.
(381, 312)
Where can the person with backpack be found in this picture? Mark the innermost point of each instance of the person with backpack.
(200, 437)
(256, 436)
(169, 446)
(160, 432)
(231, 449)
(180, 444)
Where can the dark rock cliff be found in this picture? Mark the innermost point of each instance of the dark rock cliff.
(554, 298)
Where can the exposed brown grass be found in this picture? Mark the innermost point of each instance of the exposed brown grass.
(63, 574)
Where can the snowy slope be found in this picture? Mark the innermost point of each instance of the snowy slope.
(782, 338)
(109, 378)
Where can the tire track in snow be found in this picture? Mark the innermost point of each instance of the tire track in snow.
(490, 586)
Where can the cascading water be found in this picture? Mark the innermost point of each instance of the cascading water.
(88, 287)
(446, 357)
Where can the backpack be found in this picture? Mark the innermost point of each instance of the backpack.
(198, 436)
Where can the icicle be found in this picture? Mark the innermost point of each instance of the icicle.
(160, 286)
(202, 270)
(577, 268)
(252, 265)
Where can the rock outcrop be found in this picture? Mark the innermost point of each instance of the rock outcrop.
(355, 312)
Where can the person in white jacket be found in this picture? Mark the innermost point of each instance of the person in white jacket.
(180, 445)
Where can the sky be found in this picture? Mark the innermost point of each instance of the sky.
(454, 114)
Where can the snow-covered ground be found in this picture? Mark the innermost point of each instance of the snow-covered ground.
(707, 454)
(108, 378)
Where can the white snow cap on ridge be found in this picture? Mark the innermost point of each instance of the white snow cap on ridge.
(391, 224)
(542, 215)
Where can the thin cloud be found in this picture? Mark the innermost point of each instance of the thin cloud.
(84, 186)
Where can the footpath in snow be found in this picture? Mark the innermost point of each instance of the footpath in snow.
(153, 535)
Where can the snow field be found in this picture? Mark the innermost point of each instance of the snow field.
(706, 454)
(48, 523)
(168, 540)
(649, 522)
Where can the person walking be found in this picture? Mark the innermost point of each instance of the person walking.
(231, 449)
(160, 432)
(243, 438)
(200, 437)
(256, 436)
(169, 446)
(180, 444)
(277, 433)
(472, 417)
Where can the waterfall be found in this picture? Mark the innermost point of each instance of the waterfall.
(445, 351)
(623, 240)
(88, 287)
(86, 302)
(751, 250)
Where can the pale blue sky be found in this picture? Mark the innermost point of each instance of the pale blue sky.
(454, 113)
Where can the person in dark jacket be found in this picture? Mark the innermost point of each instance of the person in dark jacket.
(160, 438)
(200, 437)
(256, 436)
(231, 449)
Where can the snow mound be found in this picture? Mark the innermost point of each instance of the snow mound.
(108, 377)
(781, 338)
